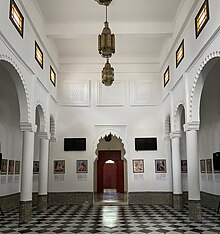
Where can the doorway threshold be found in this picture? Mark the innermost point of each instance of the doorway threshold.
(110, 197)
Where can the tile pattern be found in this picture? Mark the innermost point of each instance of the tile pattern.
(111, 219)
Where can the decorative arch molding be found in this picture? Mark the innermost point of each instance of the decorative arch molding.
(21, 87)
(177, 115)
(42, 115)
(167, 125)
(52, 128)
(114, 132)
(197, 87)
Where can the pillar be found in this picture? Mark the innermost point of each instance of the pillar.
(25, 209)
(43, 172)
(177, 179)
(194, 201)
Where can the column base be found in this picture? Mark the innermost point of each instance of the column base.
(178, 202)
(195, 211)
(42, 203)
(25, 211)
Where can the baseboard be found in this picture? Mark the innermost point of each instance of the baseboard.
(210, 200)
(10, 201)
(160, 198)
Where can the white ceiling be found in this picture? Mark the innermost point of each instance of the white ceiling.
(141, 26)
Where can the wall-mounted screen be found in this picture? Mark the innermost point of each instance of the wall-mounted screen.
(74, 144)
(145, 143)
(216, 162)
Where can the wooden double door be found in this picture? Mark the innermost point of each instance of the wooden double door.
(110, 175)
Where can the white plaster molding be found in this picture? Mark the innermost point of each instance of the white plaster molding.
(202, 65)
(144, 93)
(43, 135)
(190, 126)
(76, 93)
(175, 134)
(28, 127)
(110, 96)
(120, 131)
(24, 112)
(167, 125)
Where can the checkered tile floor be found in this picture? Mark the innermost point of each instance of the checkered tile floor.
(111, 219)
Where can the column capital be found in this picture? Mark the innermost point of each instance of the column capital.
(44, 135)
(176, 134)
(167, 138)
(28, 127)
(190, 126)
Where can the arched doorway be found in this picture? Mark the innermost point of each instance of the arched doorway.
(110, 175)
(110, 167)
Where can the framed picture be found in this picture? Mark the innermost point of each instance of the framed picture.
(59, 166)
(81, 166)
(160, 166)
(35, 167)
(209, 165)
(202, 166)
(4, 166)
(17, 167)
(138, 166)
(184, 166)
(11, 165)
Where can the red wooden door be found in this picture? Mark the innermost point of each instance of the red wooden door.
(114, 155)
(110, 176)
(120, 176)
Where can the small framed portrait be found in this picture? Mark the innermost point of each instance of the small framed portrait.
(138, 166)
(59, 166)
(202, 166)
(11, 165)
(35, 167)
(209, 165)
(184, 166)
(160, 166)
(17, 167)
(81, 166)
(4, 166)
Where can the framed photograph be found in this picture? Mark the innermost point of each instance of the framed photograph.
(11, 165)
(59, 166)
(17, 167)
(81, 166)
(4, 166)
(35, 167)
(160, 166)
(202, 166)
(138, 166)
(209, 165)
(184, 166)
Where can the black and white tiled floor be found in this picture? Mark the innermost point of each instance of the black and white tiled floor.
(111, 219)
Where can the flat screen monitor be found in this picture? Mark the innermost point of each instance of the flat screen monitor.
(149, 143)
(74, 144)
(216, 162)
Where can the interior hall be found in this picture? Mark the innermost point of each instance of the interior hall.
(109, 116)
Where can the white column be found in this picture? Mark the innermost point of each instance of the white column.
(192, 160)
(167, 143)
(176, 162)
(43, 167)
(27, 166)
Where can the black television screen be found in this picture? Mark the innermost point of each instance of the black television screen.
(216, 162)
(145, 143)
(74, 144)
